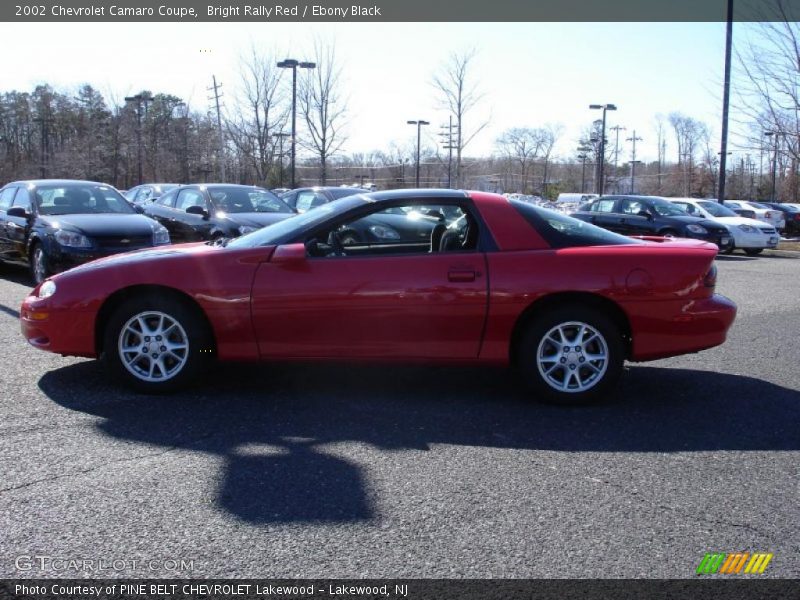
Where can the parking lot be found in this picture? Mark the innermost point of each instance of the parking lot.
(345, 471)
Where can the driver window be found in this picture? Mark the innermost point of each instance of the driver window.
(189, 198)
(399, 230)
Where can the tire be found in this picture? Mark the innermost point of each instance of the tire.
(728, 250)
(570, 378)
(753, 251)
(39, 264)
(178, 348)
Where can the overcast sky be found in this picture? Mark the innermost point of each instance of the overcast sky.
(530, 74)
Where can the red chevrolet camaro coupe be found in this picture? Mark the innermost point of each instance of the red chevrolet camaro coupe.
(486, 280)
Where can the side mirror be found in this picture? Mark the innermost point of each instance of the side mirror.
(18, 211)
(289, 254)
(197, 210)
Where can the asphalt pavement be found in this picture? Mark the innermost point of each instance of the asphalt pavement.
(352, 472)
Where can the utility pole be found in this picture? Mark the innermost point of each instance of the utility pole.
(633, 139)
(617, 129)
(449, 147)
(217, 95)
(44, 143)
(726, 96)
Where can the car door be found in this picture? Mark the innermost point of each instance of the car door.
(18, 228)
(400, 302)
(6, 198)
(190, 227)
(163, 211)
(635, 217)
(601, 212)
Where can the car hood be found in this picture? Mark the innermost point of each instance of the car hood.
(257, 219)
(137, 256)
(101, 225)
(741, 221)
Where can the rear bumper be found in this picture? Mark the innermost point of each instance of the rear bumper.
(57, 330)
(666, 329)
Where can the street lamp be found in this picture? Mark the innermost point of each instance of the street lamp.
(280, 137)
(292, 64)
(419, 125)
(604, 108)
(139, 99)
(774, 161)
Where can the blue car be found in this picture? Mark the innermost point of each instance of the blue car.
(51, 225)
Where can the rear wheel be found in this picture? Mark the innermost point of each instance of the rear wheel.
(156, 344)
(571, 355)
(753, 251)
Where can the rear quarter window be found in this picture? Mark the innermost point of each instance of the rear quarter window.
(562, 231)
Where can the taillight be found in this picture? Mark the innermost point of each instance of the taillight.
(710, 280)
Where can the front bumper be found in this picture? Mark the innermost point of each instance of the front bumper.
(67, 332)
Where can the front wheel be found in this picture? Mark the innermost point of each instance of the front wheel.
(156, 344)
(571, 355)
(39, 264)
(753, 251)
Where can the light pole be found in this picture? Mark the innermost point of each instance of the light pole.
(604, 108)
(280, 137)
(291, 63)
(774, 161)
(139, 99)
(419, 125)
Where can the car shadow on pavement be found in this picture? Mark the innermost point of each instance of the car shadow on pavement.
(276, 426)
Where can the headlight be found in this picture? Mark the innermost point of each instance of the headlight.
(48, 289)
(245, 229)
(748, 228)
(160, 235)
(384, 233)
(72, 240)
(699, 229)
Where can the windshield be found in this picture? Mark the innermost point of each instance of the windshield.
(79, 199)
(283, 231)
(244, 200)
(716, 209)
(667, 209)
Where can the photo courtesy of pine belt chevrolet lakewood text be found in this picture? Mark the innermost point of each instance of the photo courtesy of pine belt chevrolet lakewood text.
(425, 276)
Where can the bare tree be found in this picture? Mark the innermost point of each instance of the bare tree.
(323, 106)
(459, 95)
(689, 133)
(769, 66)
(521, 146)
(260, 113)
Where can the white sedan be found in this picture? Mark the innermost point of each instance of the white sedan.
(749, 235)
(762, 212)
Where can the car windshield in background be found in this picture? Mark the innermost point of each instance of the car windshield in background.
(345, 192)
(79, 199)
(667, 209)
(285, 231)
(238, 200)
(561, 231)
(717, 210)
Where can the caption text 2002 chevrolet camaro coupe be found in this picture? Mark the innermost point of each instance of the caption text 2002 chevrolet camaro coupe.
(478, 279)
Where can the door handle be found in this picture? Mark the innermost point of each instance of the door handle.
(461, 275)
